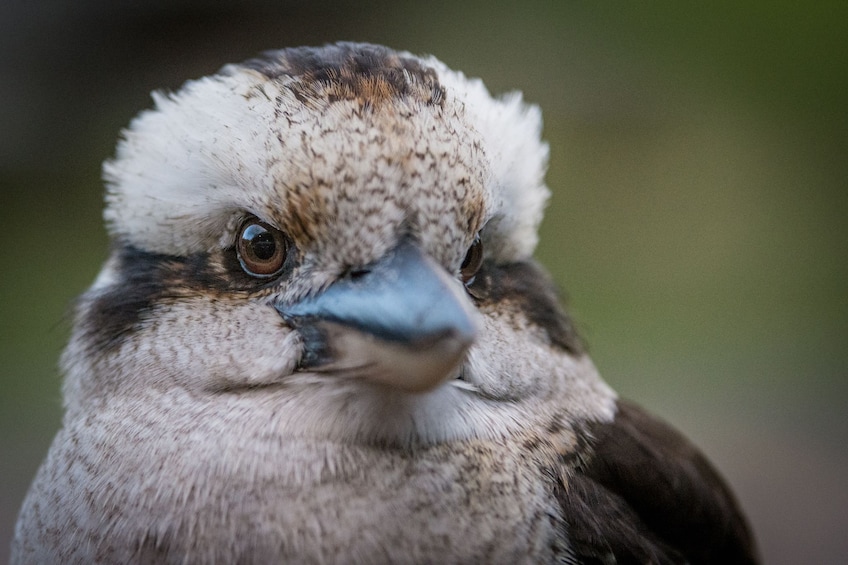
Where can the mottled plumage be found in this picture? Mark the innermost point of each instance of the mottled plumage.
(321, 338)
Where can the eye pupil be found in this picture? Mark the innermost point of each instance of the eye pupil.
(263, 245)
(466, 261)
(261, 249)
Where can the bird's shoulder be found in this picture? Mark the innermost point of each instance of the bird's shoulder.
(640, 492)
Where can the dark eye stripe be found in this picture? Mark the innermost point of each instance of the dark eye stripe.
(144, 279)
(526, 287)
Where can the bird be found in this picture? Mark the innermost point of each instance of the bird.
(320, 336)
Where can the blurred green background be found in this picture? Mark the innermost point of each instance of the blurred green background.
(698, 222)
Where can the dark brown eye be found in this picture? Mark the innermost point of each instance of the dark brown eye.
(261, 249)
(471, 263)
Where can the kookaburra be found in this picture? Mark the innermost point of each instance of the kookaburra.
(320, 337)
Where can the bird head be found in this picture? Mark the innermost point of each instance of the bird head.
(341, 237)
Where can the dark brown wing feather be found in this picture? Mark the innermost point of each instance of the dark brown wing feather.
(644, 494)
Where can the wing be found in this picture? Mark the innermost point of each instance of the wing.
(642, 493)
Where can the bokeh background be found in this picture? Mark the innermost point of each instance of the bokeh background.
(698, 219)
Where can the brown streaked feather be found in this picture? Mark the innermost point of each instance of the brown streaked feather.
(646, 495)
(368, 74)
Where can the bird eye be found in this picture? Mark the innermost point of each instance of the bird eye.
(261, 249)
(471, 263)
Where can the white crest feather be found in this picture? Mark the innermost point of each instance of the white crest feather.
(518, 158)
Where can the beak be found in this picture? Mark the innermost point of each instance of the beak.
(402, 322)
